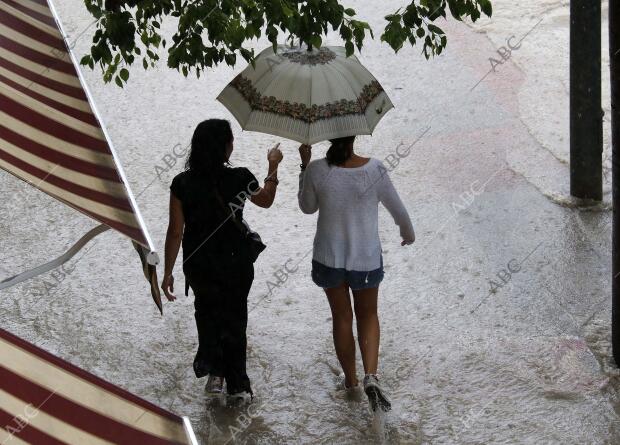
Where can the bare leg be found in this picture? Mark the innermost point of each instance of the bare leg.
(342, 319)
(368, 334)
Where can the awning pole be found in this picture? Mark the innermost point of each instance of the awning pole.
(189, 431)
(12, 281)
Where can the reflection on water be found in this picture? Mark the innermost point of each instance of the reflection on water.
(532, 365)
(468, 390)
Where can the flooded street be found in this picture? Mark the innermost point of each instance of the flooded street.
(495, 324)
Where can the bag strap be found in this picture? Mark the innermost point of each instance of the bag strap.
(238, 224)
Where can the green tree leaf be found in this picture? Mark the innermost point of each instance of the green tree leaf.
(349, 48)
(486, 7)
(316, 41)
(210, 32)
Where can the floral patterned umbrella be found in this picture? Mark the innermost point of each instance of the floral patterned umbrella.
(306, 95)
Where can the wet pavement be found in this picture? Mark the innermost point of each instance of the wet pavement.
(495, 323)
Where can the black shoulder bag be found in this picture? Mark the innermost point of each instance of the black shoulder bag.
(252, 240)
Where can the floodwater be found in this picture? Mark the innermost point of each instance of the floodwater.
(495, 323)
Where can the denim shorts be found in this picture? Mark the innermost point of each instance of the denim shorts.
(327, 277)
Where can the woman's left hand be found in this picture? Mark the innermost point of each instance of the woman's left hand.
(305, 153)
(167, 285)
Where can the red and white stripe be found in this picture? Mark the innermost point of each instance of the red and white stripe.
(50, 135)
(46, 400)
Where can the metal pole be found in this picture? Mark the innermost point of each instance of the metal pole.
(586, 117)
(614, 59)
(53, 264)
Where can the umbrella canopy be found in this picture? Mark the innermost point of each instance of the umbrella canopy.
(46, 400)
(307, 96)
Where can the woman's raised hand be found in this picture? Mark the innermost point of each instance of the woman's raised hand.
(274, 154)
(305, 153)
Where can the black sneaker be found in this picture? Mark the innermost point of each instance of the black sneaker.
(376, 396)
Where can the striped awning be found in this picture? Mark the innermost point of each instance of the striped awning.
(50, 133)
(46, 400)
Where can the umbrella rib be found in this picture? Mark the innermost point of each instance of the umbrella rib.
(334, 67)
(346, 78)
(324, 74)
(268, 71)
(309, 126)
(276, 76)
(371, 79)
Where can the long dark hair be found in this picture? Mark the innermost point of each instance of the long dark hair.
(340, 150)
(208, 152)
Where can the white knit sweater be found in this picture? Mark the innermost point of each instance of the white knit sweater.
(347, 234)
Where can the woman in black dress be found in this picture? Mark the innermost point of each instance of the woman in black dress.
(216, 261)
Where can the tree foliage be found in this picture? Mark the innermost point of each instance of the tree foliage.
(210, 32)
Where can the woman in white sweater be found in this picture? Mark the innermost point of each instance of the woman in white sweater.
(346, 189)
